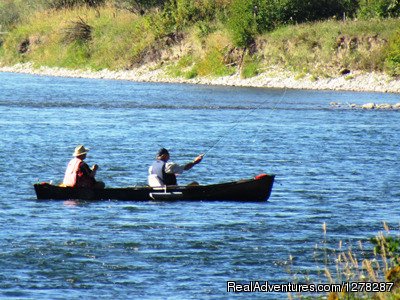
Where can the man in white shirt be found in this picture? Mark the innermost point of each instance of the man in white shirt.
(162, 172)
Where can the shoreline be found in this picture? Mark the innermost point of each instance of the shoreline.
(272, 78)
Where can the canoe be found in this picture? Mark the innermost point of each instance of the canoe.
(249, 190)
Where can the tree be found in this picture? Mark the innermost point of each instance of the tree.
(242, 22)
(379, 8)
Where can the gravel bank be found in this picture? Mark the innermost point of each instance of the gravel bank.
(273, 78)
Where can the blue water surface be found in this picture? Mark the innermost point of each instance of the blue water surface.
(334, 166)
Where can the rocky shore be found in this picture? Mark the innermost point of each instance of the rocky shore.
(271, 78)
(370, 105)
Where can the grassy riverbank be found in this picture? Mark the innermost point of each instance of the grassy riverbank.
(114, 39)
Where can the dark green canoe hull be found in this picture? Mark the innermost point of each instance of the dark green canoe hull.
(250, 190)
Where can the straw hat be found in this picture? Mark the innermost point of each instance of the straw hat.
(80, 150)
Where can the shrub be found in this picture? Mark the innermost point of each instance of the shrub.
(9, 14)
(192, 73)
(184, 13)
(392, 62)
(250, 67)
(299, 11)
(242, 22)
(13, 12)
(204, 29)
(379, 9)
(251, 17)
(212, 64)
(388, 246)
(159, 24)
(179, 69)
(78, 31)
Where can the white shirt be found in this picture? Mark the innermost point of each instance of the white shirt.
(171, 168)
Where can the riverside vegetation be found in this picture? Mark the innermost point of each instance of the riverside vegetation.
(355, 264)
(194, 39)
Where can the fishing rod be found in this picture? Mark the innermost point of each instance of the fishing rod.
(48, 165)
(42, 162)
(243, 118)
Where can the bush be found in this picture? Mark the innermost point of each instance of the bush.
(204, 29)
(242, 22)
(248, 18)
(212, 64)
(78, 31)
(182, 67)
(13, 12)
(379, 9)
(388, 246)
(9, 14)
(184, 13)
(250, 67)
(392, 62)
(299, 11)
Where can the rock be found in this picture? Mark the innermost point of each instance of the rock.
(396, 106)
(273, 77)
(368, 106)
(384, 106)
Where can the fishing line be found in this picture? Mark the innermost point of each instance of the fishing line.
(56, 167)
(243, 118)
(280, 100)
(48, 165)
(39, 160)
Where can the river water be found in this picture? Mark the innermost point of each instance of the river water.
(334, 166)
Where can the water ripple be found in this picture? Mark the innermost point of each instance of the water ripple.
(337, 167)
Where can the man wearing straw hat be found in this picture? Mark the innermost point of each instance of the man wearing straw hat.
(78, 173)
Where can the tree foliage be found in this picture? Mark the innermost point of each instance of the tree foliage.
(256, 16)
(250, 17)
(242, 22)
(187, 12)
(379, 8)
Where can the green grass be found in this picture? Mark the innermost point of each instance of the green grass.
(122, 40)
(1, 54)
(326, 47)
(183, 68)
(118, 38)
(251, 66)
(213, 64)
